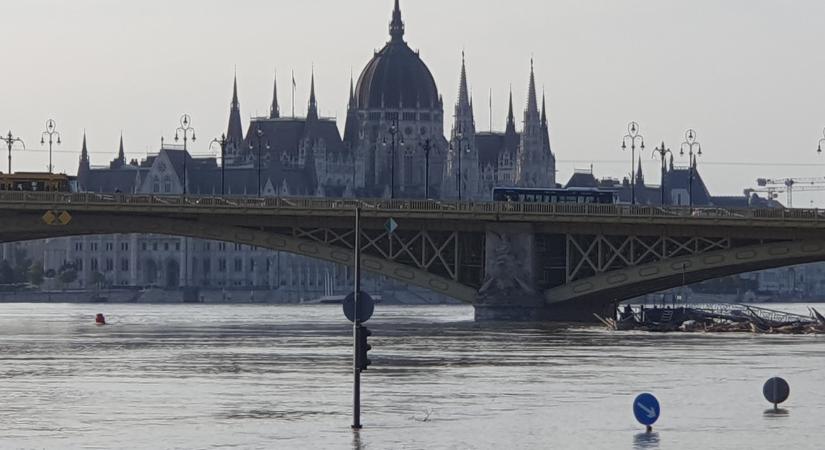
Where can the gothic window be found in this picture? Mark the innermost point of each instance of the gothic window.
(391, 116)
(124, 246)
(409, 116)
(124, 265)
(408, 168)
(238, 264)
(110, 265)
(155, 185)
(221, 265)
(167, 185)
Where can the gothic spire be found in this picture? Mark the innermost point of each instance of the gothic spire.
(351, 93)
(463, 94)
(397, 25)
(532, 100)
(84, 153)
(235, 103)
(351, 126)
(275, 110)
(121, 154)
(234, 131)
(640, 177)
(312, 113)
(84, 167)
(511, 118)
(544, 109)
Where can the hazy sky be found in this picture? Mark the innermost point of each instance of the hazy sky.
(746, 74)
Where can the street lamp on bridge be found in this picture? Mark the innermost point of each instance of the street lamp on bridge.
(821, 141)
(662, 152)
(460, 148)
(10, 139)
(632, 137)
(51, 132)
(260, 134)
(427, 145)
(222, 142)
(394, 132)
(185, 129)
(691, 143)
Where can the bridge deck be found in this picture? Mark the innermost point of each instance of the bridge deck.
(417, 209)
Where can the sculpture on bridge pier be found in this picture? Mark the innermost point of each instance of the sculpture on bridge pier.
(509, 289)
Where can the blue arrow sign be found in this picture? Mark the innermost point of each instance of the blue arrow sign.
(391, 226)
(646, 409)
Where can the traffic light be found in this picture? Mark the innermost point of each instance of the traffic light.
(361, 359)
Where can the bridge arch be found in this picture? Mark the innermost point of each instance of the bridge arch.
(30, 227)
(631, 282)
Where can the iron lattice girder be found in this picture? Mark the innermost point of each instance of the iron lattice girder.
(437, 252)
(589, 255)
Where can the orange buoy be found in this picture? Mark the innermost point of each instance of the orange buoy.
(100, 320)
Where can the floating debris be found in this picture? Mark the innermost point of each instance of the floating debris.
(720, 318)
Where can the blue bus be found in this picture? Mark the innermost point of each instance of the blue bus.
(558, 195)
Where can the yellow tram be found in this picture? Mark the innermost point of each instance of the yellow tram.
(36, 182)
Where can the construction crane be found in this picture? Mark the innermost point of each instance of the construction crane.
(775, 186)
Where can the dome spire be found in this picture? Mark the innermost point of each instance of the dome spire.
(397, 25)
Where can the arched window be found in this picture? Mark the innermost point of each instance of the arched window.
(167, 185)
(155, 184)
(409, 179)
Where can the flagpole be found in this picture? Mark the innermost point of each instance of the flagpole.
(491, 110)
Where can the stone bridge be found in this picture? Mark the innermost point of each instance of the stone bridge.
(512, 261)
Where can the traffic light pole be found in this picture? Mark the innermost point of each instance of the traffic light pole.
(356, 370)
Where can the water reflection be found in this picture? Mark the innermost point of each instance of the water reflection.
(646, 441)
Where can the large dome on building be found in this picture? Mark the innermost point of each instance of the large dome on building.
(396, 77)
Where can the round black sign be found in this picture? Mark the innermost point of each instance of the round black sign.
(366, 306)
(776, 390)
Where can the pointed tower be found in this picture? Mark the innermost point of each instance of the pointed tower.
(510, 134)
(461, 177)
(547, 150)
(234, 131)
(397, 25)
(640, 177)
(84, 167)
(533, 165)
(351, 126)
(275, 110)
(120, 161)
(312, 111)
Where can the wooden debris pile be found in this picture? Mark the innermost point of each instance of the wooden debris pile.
(715, 319)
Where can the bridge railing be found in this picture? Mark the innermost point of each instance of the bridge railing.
(423, 206)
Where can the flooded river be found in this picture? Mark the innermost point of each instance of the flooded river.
(279, 377)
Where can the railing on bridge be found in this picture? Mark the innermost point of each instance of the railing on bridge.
(425, 206)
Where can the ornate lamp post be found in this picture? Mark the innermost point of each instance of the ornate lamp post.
(260, 134)
(185, 129)
(10, 139)
(394, 132)
(459, 148)
(633, 136)
(51, 132)
(821, 141)
(662, 152)
(689, 144)
(222, 142)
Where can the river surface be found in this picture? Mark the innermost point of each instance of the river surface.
(279, 377)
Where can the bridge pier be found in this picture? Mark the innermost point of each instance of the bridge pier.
(509, 292)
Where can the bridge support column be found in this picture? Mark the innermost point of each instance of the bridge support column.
(509, 290)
